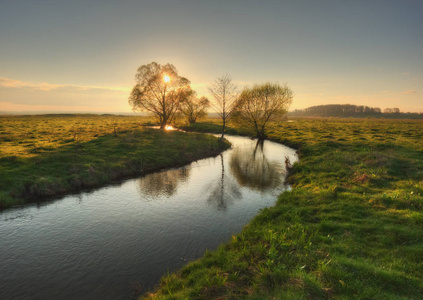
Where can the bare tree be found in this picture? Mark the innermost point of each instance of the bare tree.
(194, 108)
(159, 90)
(259, 105)
(224, 192)
(224, 95)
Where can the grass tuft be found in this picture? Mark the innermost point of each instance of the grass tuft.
(351, 228)
(46, 156)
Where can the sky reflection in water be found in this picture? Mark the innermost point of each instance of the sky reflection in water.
(103, 243)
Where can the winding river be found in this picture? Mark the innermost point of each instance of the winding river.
(107, 243)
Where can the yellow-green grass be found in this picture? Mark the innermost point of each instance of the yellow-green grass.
(45, 156)
(351, 228)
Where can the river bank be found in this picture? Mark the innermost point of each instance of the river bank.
(350, 228)
(46, 156)
(107, 242)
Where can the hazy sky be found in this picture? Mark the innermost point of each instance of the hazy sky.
(83, 55)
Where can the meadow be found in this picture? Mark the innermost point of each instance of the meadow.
(350, 228)
(45, 156)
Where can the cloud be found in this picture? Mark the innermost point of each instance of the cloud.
(396, 93)
(12, 83)
(19, 92)
(243, 83)
(409, 92)
(198, 85)
(12, 107)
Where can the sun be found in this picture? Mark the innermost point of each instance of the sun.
(166, 78)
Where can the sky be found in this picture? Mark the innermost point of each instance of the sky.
(82, 56)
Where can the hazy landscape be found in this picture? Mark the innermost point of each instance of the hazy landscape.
(211, 149)
(354, 211)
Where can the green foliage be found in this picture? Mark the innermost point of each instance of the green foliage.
(256, 107)
(159, 90)
(44, 156)
(356, 111)
(351, 228)
(211, 126)
(194, 108)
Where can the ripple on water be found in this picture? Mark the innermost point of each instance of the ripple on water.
(100, 244)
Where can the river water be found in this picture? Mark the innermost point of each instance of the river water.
(106, 243)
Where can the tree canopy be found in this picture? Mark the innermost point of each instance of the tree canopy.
(159, 90)
(259, 105)
(193, 107)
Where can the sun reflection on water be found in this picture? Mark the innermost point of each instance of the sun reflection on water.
(168, 127)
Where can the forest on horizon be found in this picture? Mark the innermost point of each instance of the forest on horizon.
(350, 110)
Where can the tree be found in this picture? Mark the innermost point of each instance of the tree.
(193, 107)
(163, 183)
(224, 192)
(159, 90)
(224, 95)
(259, 105)
(336, 110)
(252, 169)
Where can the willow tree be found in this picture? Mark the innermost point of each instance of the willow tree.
(194, 108)
(254, 170)
(224, 95)
(261, 104)
(159, 90)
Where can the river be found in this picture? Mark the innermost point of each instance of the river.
(106, 243)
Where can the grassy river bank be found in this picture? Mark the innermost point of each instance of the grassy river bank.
(351, 228)
(46, 156)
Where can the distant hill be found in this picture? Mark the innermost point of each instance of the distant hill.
(356, 111)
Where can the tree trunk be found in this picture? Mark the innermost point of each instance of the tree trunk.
(223, 129)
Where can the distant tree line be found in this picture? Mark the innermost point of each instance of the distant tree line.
(391, 110)
(349, 110)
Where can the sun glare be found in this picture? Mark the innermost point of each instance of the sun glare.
(168, 127)
(166, 78)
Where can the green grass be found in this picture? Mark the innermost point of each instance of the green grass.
(351, 228)
(45, 156)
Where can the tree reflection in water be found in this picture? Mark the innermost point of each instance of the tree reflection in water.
(163, 183)
(252, 169)
(224, 191)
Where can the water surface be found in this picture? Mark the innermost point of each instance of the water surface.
(103, 244)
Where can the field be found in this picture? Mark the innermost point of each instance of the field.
(351, 228)
(46, 156)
